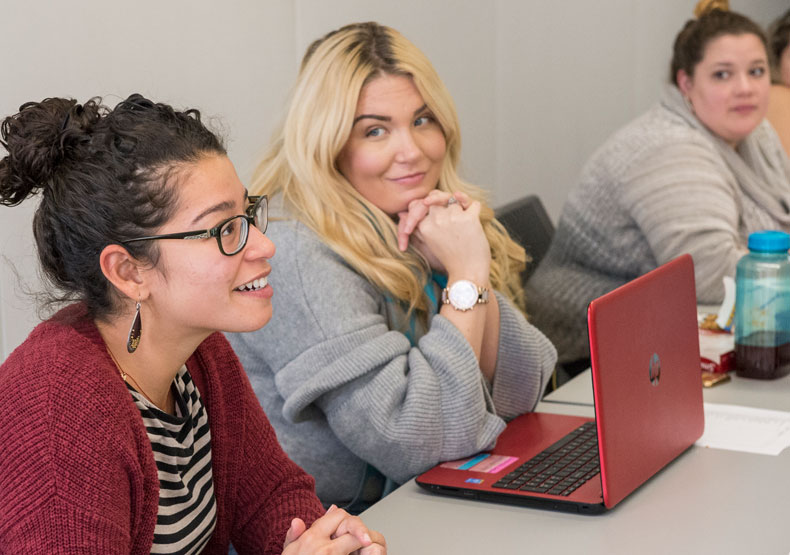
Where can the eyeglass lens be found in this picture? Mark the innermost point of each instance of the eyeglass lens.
(233, 235)
(261, 214)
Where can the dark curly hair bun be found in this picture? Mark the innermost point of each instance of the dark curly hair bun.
(39, 140)
(106, 175)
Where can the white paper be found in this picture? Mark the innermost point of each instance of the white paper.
(761, 431)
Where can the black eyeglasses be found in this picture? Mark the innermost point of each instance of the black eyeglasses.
(231, 234)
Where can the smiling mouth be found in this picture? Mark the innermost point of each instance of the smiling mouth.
(411, 177)
(254, 285)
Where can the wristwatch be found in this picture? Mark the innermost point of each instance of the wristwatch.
(464, 295)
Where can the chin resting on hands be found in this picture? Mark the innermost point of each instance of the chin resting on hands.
(455, 238)
(418, 209)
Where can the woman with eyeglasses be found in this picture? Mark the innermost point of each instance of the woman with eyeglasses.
(128, 424)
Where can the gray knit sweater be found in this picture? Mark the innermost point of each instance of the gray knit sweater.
(343, 389)
(661, 186)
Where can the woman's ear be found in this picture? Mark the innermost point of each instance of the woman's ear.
(684, 82)
(122, 270)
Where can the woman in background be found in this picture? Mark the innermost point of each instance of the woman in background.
(398, 342)
(128, 424)
(696, 174)
(779, 106)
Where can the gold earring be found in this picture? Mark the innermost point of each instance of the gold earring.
(133, 341)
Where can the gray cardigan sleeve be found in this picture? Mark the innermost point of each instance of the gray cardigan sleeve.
(401, 408)
(525, 362)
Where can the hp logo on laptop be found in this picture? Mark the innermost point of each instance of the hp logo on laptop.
(655, 369)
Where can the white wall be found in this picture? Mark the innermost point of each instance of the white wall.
(538, 83)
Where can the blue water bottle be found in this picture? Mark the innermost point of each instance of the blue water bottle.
(762, 307)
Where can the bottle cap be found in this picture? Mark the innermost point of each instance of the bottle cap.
(769, 241)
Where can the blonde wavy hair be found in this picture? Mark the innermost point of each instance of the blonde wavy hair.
(301, 164)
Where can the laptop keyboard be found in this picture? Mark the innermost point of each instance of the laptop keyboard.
(560, 468)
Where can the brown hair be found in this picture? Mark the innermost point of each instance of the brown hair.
(779, 39)
(713, 21)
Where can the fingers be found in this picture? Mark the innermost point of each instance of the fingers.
(372, 542)
(377, 538)
(337, 522)
(437, 198)
(297, 529)
(464, 200)
(408, 220)
(328, 523)
(403, 235)
(442, 198)
(353, 525)
(347, 543)
(310, 544)
(418, 210)
(374, 549)
(378, 547)
(325, 534)
(474, 208)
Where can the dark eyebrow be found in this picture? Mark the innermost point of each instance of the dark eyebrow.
(385, 118)
(728, 63)
(370, 116)
(227, 205)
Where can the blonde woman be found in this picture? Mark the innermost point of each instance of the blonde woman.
(398, 342)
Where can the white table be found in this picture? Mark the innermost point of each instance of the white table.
(707, 501)
(766, 394)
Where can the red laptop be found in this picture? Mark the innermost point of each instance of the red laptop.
(644, 348)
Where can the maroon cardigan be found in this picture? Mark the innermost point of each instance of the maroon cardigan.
(77, 473)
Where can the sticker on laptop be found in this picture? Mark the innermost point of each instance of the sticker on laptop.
(484, 462)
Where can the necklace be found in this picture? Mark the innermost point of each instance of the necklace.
(124, 377)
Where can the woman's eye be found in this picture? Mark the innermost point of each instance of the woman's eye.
(375, 132)
(722, 74)
(422, 120)
(229, 228)
(758, 71)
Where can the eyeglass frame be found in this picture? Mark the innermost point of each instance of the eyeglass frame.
(249, 216)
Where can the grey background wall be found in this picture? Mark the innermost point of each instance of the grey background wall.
(538, 83)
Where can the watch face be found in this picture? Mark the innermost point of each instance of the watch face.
(463, 294)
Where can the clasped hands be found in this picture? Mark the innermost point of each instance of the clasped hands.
(335, 533)
(449, 235)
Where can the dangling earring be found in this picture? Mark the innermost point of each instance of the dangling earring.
(133, 341)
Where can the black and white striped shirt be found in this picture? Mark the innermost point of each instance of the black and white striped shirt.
(182, 450)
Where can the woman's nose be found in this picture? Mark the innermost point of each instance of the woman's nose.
(744, 83)
(258, 245)
(407, 148)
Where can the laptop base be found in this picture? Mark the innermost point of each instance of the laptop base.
(521, 501)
